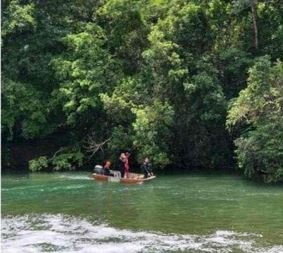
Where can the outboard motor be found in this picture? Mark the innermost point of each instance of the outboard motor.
(98, 169)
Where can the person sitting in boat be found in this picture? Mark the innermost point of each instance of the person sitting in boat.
(106, 169)
(146, 168)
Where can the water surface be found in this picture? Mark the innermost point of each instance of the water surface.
(70, 212)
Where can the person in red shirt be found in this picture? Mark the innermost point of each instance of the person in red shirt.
(123, 165)
(126, 164)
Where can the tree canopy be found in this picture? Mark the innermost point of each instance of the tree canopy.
(191, 84)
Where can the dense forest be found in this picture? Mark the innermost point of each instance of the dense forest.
(188, 83)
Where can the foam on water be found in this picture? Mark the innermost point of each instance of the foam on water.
(61, 233)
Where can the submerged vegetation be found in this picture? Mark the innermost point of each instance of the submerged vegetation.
(194, 84)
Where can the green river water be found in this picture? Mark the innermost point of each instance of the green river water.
(70, 212)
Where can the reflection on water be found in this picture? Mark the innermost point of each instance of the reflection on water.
(59, 233)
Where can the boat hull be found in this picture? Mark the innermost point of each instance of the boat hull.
(133, 178)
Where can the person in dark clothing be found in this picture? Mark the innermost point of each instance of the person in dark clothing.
(106, 169)
(146, 168)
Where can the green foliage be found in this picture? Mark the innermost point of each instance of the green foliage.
(23, 103)
(259, 107)
(263, 95)
(67, 161)
(233, 66)
(17, 17)
(125, 96)
(190, 82)
(38, 164)
(126, 32)
(204, 90)
(152, 76)
(121, 139)
(82, 72)
(152, 124)
(63, 159)
(260, 151)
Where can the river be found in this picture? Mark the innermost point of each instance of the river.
(70, 212)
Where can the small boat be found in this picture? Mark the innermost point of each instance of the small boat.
(134, 178)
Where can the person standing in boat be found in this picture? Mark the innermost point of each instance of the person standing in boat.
(121, 164)
(146, 168)
(126, 164)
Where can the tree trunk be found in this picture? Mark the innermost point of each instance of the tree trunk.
(253, 7)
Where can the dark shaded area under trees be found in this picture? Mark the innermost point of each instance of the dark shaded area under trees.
(191, 84)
